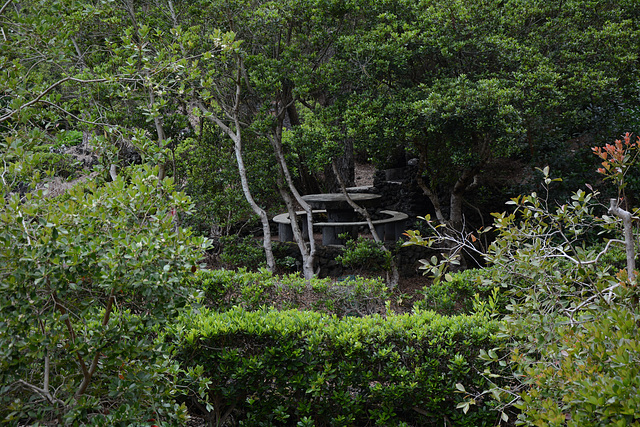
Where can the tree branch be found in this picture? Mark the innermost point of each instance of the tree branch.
(5, 6)
(96, 357)
(42, 392)
(45, 92)
(395, 275)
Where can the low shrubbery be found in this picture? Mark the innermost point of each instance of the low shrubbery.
(364, 254)
(595, 378)
(224, 289)
(459, 293)
(272, 367)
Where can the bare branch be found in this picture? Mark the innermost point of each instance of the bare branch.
(5, 6)
(42, 392)
(395, 275)
(70, 114)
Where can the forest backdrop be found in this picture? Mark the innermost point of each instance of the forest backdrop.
(195, 117)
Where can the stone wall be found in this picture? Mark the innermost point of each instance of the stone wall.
(400, 191)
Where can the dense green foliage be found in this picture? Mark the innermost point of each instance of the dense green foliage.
(272, 367)
(207, 171)
(169, 95)
(224, 289)
(86, 278)
(572, 315)
(364, 254)
(463, 292)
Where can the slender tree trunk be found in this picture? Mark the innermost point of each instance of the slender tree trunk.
(395, 275)
(157, 121)
(264, 219)
(236, 137)
(308, 252)
(467, 181)
(428, 191)
(627, 222)
(454, 224)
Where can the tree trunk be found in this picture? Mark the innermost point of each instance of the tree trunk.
(308, 252)
(236, 137)
(157, 121)
(428, 191)
(395, 275)
(627, 221)
(264, 219)
(288, 190)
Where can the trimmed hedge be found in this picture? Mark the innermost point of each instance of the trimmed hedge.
(271, 367)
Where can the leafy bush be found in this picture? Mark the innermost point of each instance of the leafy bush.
(271, 367)
(62, 165)
(571, 312)
(68, 138)
(209, 175)
(596, 379)
(242, 252)
(86, 281)
(572, 317)
(224, 289)
(458, 293)
(41, 162)
(365, 254)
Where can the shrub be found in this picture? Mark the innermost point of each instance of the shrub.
(68, 138)
(224, 289)
(41, 162)
(86, 281)
(365, 254)
(458, 292)
(595, 380)
(244, 252)
(572, 317)
(208, 173)
(292, 367)
(62, 165)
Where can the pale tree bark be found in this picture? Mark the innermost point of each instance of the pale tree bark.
(395, 275)
(157, 121)
(288, 190)
(627, 222)
(308, 251)
(236, 136)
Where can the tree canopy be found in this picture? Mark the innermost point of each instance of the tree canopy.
(169, 95)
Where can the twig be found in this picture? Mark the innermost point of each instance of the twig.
(42, 392)
(4, 7)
